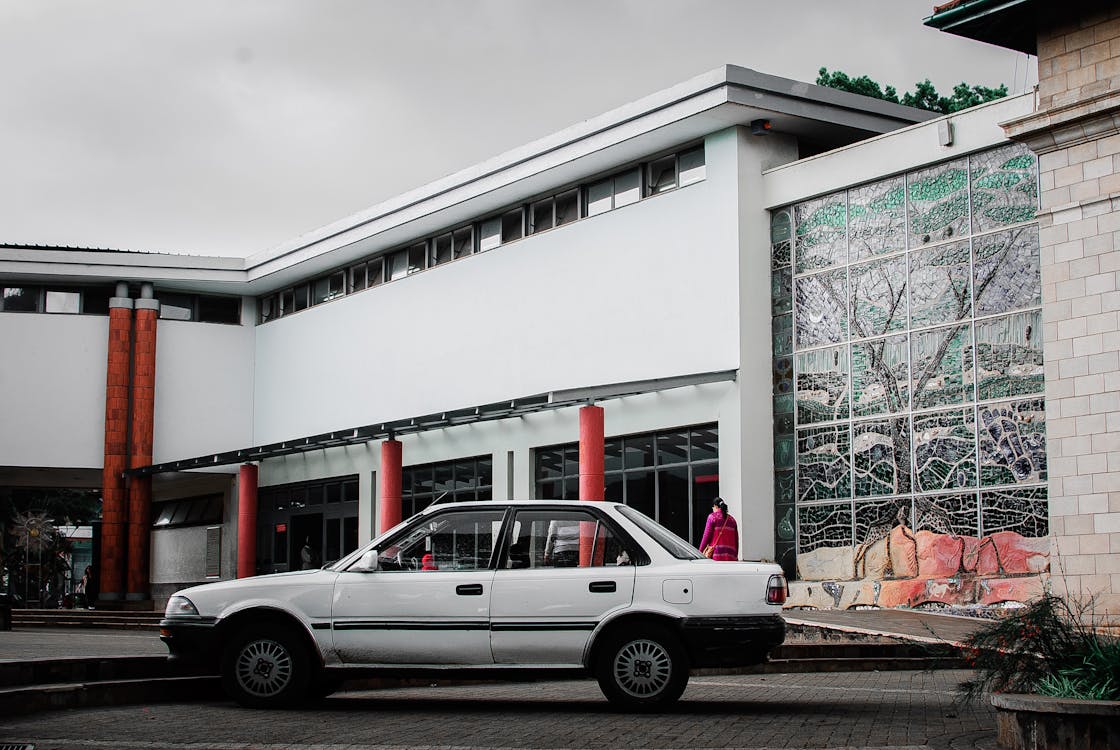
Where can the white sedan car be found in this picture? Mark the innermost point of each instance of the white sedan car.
(515, 589)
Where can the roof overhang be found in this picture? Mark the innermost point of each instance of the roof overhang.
(722, 98)
(1004, 23)
(517, 407)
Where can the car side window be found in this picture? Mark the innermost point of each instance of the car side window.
(456, 540)
(562, 538)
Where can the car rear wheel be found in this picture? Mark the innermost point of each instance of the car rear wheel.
(642, 669)
(266, 667)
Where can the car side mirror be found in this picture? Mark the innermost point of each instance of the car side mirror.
(367, 563)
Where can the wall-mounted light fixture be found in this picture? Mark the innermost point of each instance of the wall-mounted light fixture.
(760, 127)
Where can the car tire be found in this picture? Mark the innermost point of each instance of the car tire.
(266, 667)
(642, 669)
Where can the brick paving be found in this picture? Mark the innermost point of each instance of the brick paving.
(897, 710)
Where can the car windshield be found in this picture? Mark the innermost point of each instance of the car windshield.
(672, 543)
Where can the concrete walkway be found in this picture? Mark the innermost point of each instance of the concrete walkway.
(23, 643)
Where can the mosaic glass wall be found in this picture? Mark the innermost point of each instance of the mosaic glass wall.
(908, 374)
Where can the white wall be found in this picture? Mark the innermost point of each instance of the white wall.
(204, 389)
(52, 389)
(648, 290)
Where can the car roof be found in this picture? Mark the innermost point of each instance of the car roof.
(438, 505)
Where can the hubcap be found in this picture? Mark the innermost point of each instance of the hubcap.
(642, 668)
(264, 668)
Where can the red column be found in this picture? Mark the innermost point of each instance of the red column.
(591, 445)
(247, 521)
(143, 430)
(114, 509)
(592, 486)
(390, 484)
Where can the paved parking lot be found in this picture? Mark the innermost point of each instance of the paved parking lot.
(839, 710)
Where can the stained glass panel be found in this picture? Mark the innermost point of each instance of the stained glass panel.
(880, 376)
(783, 487)
(877, 219)
(874, 520)
(783, 334)
(945, 450)
(780, 239)
(946, 514)
(824, 526)
(822, 308)
(1004, 187)
(783, 375)
(1023, 510)
(787, 517)
(1009, 356)
(781, 291)
(1013, 443)
(824, 465)
(822, 385)
(881, 456)
(940, 290)
(938, 203)
(821, 239)
(942, 366)
(878, 297)
(890, 363)
(1007, 274)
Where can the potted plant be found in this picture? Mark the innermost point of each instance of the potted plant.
(1053, 674)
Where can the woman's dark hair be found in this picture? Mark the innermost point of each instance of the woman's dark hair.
(718, 503)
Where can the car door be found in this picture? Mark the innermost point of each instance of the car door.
(428, 599)
(562, 571)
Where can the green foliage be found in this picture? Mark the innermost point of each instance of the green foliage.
(924, 95)
(1046, 648)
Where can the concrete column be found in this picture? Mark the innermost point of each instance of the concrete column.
(390, 485)
(247, 521)
(114, 510)
(143, 429)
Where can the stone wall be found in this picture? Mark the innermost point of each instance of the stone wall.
(1078, 54)
(1076, 133)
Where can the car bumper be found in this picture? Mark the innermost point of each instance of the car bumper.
(190, 640)
(731, 641)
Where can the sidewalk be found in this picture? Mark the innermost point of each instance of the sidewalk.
(24, 643)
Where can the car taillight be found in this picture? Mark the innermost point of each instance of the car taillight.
(776, 590)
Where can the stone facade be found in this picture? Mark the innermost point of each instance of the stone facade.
(1076, 133)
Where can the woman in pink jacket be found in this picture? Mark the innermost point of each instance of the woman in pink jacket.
(721, 533)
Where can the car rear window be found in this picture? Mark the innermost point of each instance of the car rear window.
(672, 543)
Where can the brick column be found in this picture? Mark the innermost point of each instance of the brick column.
(592, 485)
(390, 485)
(143, 429)
(247, 521)
(114, 510)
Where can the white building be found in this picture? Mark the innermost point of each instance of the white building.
(640, 262)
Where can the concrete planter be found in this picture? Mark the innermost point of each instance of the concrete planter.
(1038, 722)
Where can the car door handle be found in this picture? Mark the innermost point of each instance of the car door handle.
(601, 587)
(469, 589)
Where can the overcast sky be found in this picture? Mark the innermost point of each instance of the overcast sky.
(225, 127)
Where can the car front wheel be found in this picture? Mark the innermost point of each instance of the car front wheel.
(642, 669)
(266, 667)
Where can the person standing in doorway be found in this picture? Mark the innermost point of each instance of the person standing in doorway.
(721, 534)
(306, 556)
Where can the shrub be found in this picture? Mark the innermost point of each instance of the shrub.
(1049, 648)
